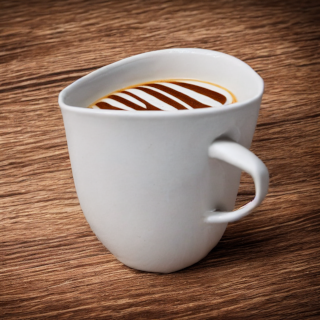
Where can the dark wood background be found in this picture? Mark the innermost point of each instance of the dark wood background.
(52, 265)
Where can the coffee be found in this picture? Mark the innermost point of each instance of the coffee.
(166, 95)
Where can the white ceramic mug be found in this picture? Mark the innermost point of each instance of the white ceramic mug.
(158, 188)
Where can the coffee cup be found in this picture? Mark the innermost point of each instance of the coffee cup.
(158, 188)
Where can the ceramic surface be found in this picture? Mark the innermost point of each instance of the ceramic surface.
(158, 188)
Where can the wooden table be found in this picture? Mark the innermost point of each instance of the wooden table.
(52, 265)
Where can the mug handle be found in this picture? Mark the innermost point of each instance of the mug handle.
(238, 156)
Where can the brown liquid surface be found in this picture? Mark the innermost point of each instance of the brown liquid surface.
(181, 95)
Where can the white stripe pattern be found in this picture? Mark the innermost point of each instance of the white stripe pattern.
(195, 95)
(169, 96)
(118, 104)
(153, 100)
(213, 88)
(132, 99)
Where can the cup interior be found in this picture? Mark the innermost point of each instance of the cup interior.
(205, 65)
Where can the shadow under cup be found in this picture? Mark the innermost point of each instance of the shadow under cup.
(144, 179)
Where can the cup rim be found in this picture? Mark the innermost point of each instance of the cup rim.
(154, 114)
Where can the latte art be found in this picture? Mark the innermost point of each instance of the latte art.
(168, 95)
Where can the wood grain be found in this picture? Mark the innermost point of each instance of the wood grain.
(53, 267)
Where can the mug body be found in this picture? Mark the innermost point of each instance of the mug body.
(144, 179)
